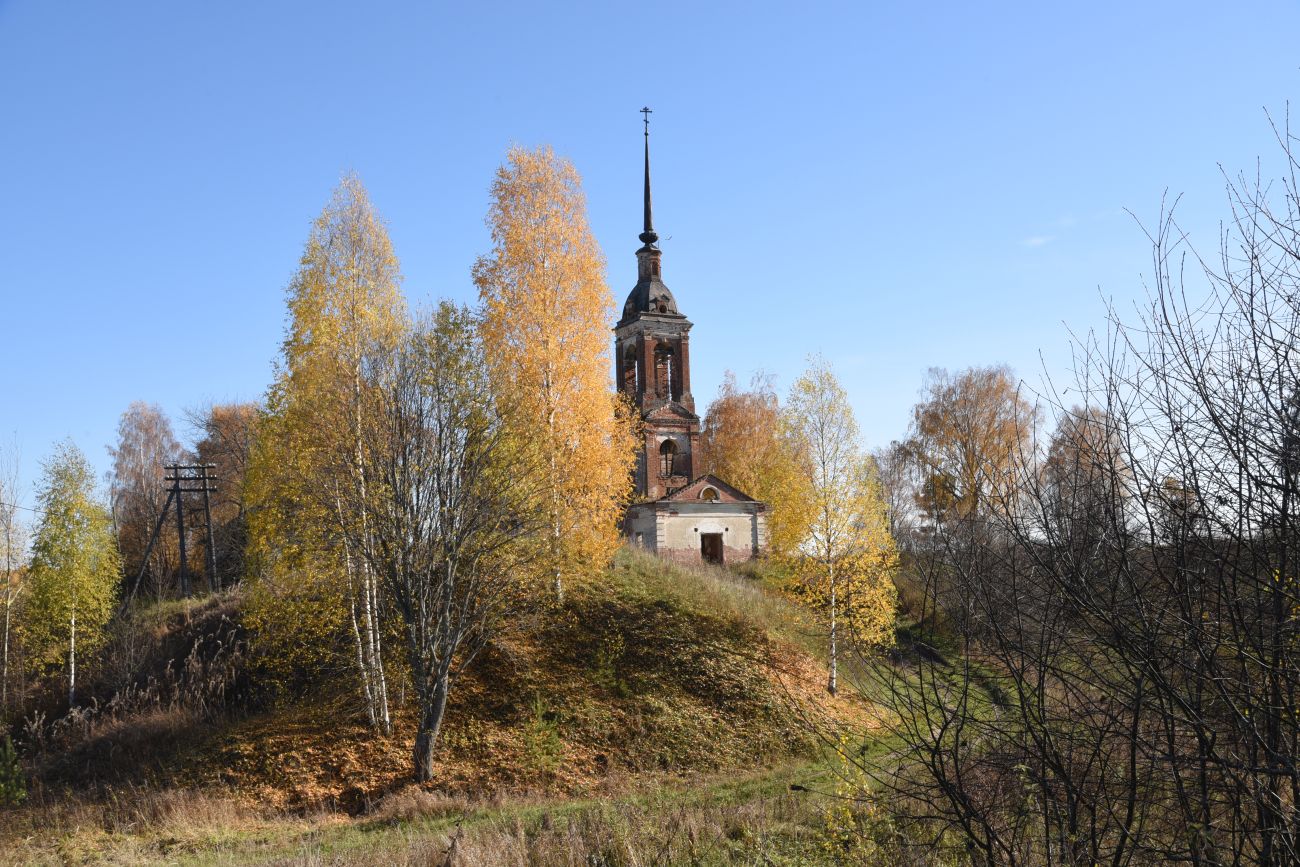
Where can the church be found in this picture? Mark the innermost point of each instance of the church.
(677, 511)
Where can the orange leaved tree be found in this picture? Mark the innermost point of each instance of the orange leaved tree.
(749, 443)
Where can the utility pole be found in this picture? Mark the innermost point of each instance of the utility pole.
(214, 580)
(184, 577)
(186, 479)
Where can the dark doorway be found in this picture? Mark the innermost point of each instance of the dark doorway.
(711, 547)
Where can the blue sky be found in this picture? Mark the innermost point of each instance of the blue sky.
(894, 185)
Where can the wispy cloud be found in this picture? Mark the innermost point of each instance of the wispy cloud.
(1038, 240)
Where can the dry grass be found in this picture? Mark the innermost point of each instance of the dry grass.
(722, 592)
(412, 802)
(128, 825)
(744, 820)
(776, 830)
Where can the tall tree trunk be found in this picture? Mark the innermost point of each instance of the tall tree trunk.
(553, 448)
(555, 553)
(365, 636)
(426, 738)
(832, 684)
(363, 670)
(72, 662)
(359, 644)
(376, 655)
(377, 687)
(4, 666)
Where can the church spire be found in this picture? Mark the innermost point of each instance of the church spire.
(648, 235)
(649, 295)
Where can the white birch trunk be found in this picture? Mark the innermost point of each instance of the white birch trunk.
(372, 661)
(4, 666)
(72, 662)
(378, 680)
(833, 684)
(555, 486)
(359, 643)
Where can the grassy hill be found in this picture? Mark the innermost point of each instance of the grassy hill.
(659, 690)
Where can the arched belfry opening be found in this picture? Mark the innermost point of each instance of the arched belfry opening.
(667, 458)
(628, 379)
(664, 372)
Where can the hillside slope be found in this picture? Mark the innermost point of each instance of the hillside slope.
(654, 671)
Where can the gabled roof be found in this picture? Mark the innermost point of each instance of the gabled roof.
(726, 493)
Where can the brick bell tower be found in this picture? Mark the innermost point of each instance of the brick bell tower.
(653, 367)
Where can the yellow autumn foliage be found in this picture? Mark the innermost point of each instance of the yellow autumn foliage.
(546, 317)
(848, 560)
(345, 310)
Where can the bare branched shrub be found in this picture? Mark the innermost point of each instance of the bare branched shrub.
(1126, 684)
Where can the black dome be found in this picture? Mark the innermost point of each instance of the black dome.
(650, 296)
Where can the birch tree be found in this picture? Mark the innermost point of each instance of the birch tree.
(13, 547)
(449, 510)
(1085, 482)
(546, 317)
(137, 492)
(849, 557)
(896, 470)
(75, 568)
(346, 314)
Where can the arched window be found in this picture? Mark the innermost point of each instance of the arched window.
(667, 451)
(709, 495)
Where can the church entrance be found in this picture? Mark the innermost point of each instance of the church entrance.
(711, 548)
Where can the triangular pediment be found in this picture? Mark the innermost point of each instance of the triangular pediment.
(696, 490)
(670, 410)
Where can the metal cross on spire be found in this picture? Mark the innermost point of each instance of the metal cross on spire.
(648, 235)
